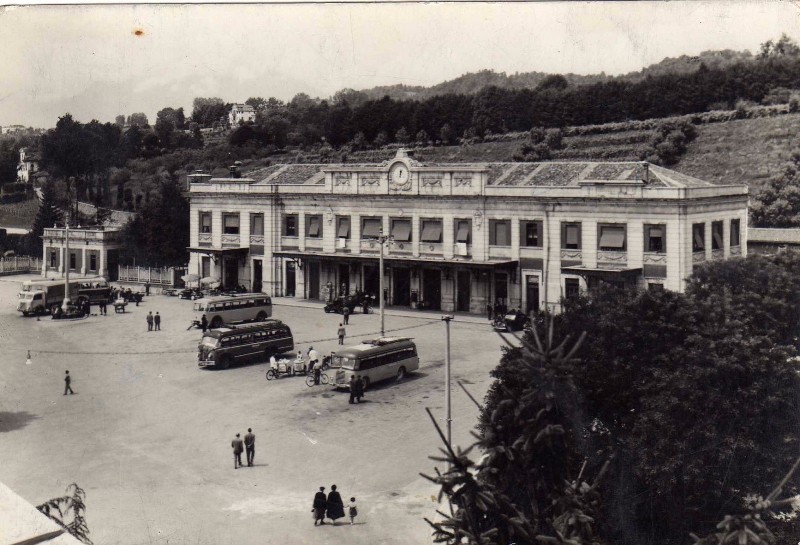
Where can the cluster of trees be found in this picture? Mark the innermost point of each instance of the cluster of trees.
(778, 202)
(554, 103)
(659, 415)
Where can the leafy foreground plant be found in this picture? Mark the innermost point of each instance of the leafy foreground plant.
(531, 486)
(531, 483)
(68, 512)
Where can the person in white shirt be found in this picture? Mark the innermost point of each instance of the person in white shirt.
(313, 363)
(273, 363)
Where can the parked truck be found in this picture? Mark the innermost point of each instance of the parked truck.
(43, 296)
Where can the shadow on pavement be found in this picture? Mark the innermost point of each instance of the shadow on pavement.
(15, 421)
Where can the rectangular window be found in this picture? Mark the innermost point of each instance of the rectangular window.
(531, 234)
(343, 227)
(72, 260)
(570, 236)
(53, 260)
(371, 228)
(698, 237)
(230, 224)
(572, 288)
(290, 225)
(735, 232)
(431, 231)
(205, 222)
(499, 233)
(611, 238)
(655, 287)
(401, 230)
(314, 226)
(655, 238)
(464, 231)
(716, 235)
(205, 267)
(92, 262)
(257, 224)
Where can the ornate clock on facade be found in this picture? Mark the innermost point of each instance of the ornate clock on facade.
(399, 177)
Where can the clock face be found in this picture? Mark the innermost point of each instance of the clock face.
(399, 178)
(399, 174)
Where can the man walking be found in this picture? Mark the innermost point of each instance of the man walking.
(238, 448)
(250, 446)
(346, 314)
(341, 334)
(67, 382)
(157, 321)
(320, 503)
(204, 323)
(149, 321)
(359, 389)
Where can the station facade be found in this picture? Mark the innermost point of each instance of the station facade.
(462, 235)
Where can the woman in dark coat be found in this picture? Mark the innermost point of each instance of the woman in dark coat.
(319, 506)
(335, 506)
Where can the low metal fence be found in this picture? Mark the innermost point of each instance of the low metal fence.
(20, 264)
(146, 275)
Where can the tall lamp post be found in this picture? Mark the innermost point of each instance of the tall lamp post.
(446, 319)
(382, 239)
(66, 263)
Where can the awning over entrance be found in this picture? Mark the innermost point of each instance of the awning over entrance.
(396, 260)
(606, 274)
(224, 252)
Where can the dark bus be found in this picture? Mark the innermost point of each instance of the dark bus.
(234, 344)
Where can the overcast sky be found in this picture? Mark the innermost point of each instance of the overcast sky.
(89, 61)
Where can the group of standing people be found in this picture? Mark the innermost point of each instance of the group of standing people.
(356, 389)
(248, 445)
(153, 322)
(498, 309)
(331, 506)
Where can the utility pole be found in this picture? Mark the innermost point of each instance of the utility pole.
(382, 239)
(65, 303)
(446, 319)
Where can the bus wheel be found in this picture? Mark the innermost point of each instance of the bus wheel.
(401, 374)
(224, 362)
(261, 316)
(216, 322)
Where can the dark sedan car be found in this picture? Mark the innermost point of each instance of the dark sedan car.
(338, 305)
(514, 320)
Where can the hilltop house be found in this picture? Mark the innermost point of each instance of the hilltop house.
(243, 113)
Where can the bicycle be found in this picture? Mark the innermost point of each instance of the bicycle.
(323, 379)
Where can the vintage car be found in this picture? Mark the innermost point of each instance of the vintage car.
(513, 320)
(338, 305)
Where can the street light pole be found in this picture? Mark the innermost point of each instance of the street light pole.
(383, 239)
(446, 319)
(66, 263)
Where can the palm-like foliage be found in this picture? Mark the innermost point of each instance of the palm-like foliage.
(68, 511)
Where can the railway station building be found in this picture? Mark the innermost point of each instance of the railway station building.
(463, 235)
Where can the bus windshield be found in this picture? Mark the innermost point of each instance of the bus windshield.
(199, 307)
(210, 341)
(343, 362)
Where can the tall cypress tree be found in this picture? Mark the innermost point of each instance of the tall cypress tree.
(47, 215)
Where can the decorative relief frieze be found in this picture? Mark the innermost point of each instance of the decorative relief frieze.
(736, 250)
(432, 181)
(341, 179)
(369, 180)
(571, 254)
(462, 180)
(654, 258)
(698, 257)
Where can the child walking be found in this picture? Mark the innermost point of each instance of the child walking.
(352, 510)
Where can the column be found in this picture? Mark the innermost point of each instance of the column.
(216, 228)
(416, 233)
(83, 261)
(101, 262)
(301, 232)
(448, 236)
(355, 234)
(62, 253)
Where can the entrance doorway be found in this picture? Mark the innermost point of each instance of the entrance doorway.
(432, 288)
(462, 291)
(501, 288)
(313, 279)
(291, 279)
(231, 273)
(205, 266)
(371, 281)
(257, 275)
(344, 279)
(401, 287)
(531, 294)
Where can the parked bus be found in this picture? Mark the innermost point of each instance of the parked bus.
(375, 360)
(235, 308)
(234, 344)
(44, 295)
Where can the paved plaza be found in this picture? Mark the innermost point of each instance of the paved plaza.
(147, 433)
